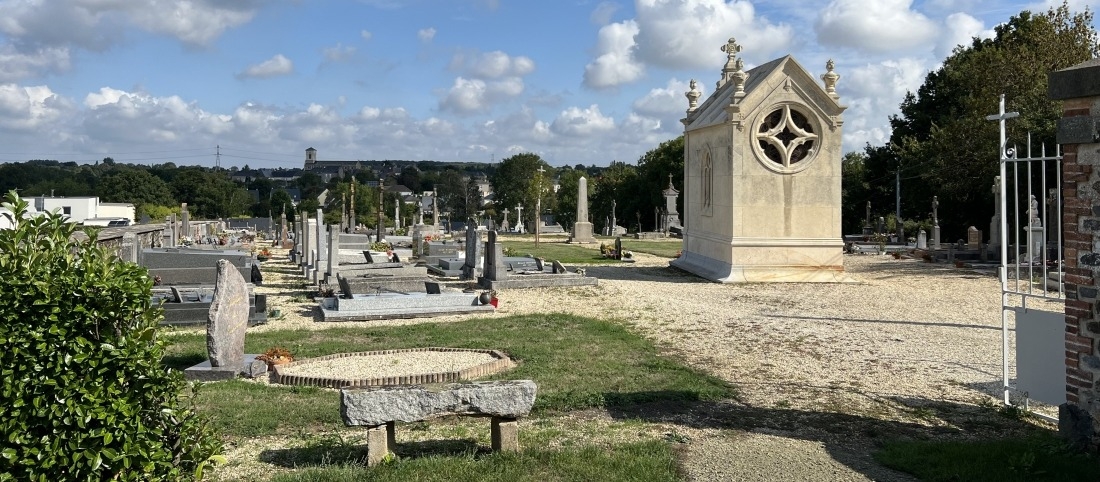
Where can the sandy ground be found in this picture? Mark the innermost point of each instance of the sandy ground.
(825, 371)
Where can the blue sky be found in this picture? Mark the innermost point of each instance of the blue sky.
(450, 80)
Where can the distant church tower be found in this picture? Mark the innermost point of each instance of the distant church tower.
(762, 163)
(311, 158)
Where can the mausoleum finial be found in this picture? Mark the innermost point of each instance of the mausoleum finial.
(693, 96)
(830, 79)
(734, 69)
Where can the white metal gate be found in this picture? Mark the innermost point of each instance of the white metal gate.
(1031, 270)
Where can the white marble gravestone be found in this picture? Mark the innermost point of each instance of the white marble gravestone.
(762, 167)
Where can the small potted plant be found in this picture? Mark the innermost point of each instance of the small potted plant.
(276, 355)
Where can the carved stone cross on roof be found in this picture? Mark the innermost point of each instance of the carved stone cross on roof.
(731, 48)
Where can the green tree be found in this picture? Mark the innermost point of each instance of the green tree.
(515, 182)
(84, 393)
(941, 144)
(654, 169)
(135, 185)
(616, 186)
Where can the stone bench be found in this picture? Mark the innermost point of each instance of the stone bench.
(380, 408)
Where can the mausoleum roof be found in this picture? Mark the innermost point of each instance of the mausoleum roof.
(756, 91)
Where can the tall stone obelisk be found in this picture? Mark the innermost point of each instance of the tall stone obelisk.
(582, 229)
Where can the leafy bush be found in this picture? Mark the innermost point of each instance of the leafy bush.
(81, 382)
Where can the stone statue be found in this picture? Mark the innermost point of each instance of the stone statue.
(692, 84)
(1033, 213)
(739, 65)
(829, 65)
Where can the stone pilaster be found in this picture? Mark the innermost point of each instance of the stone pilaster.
(1079, 417)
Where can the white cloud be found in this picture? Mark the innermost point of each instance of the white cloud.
(873, 92)
(426, 35)
(338, 53)
(614, 64)
(961, 28)
(578, 122)
(117, 116)
(467, 96)
(492, 65)
(21, 65)
(665, 101)
(878, 26)
(31, 108)
(196, 22)
(688, 33)
(96, 25)
(365, 34)
(273, 67)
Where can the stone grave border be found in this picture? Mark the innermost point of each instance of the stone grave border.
(502, 363)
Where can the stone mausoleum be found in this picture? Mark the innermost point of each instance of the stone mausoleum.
(762, 165)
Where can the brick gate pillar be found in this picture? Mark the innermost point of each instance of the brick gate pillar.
(1079, 134)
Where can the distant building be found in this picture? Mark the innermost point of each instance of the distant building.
(86, 209)
(329, 169)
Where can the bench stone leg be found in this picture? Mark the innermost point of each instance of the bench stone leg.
(505, 434)
(378, 443)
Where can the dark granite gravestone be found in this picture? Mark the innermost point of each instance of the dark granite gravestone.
(177, 266)
(473, 253)
(495, 269)
(618, 248)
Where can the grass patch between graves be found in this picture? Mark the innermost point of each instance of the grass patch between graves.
(1036, 457)
(558, 250)
(650, 461)
(664, 249)
(577, 363)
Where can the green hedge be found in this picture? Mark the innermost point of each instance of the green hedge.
(83, 389)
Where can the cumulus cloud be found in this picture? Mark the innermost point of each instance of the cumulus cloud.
(426, 34)
(873, 93)
(682, 33)
(661, 102)
(492, 65)
(879, 26)
(96, 25)
(468, 96)
(196, 22)
(365, 34)
(961, 28)
(30, 108)
(273, 67)
(21, 65)
(615, 63)
(577, 122)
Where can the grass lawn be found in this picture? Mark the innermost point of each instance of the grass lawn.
(1038, 458)
(650, 461)
(589, 254)
(577, 363)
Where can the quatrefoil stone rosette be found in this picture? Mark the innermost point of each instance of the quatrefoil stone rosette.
(786, 138)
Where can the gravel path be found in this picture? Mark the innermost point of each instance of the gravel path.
(825, 371)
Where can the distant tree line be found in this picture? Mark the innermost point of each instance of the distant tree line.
(157, 190)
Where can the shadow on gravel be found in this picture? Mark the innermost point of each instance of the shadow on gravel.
(905, 267)
(891, 322)
(643, 273)
(848, 439)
